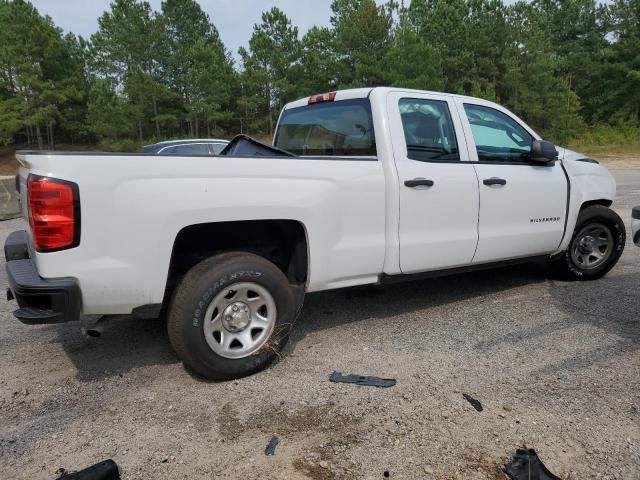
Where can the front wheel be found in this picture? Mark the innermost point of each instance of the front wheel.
(596, 246)
(231, 315)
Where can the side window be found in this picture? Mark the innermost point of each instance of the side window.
(428, 130)
(216, 148)
(498, 137)
(192, 149)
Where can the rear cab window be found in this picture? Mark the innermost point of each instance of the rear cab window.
(342, 128)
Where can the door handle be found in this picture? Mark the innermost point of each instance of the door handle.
(494, 181)
(418, 182)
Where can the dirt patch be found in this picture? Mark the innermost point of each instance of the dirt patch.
(8, 163)
(631, 160)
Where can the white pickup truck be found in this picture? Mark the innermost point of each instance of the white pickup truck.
(363, 186)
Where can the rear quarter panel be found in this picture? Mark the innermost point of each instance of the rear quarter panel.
(133, 206)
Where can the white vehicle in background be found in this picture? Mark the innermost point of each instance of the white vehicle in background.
(364, 186)
(635, 225)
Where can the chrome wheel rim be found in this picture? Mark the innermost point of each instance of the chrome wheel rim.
(239, 320)
(592, 246)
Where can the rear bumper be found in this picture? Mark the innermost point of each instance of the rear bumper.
(53, 300)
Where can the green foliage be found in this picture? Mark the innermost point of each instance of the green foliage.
(125, 146)
(362, 32)
(36, 69)
(273, 48)
(608, 139)
(108, 113)
(197, 67)
(424, 72)
(559, 64)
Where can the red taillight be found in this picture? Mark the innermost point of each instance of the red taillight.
(53, 213)
(323, 97)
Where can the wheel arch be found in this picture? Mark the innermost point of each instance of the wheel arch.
(605, 202)
(283, 242)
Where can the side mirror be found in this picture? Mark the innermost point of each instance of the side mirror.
(543, 152)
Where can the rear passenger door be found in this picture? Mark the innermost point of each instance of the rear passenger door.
(437, 182)
(522, 205)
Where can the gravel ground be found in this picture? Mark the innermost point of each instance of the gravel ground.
(556, 366)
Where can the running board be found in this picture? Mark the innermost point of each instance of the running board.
(385, 279)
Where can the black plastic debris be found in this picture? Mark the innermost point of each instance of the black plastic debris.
(245, 146)
(107, 470)
(271, 446)
(526, 465)
(474, 403)
(337, 377)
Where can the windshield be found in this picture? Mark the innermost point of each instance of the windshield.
(342, 128)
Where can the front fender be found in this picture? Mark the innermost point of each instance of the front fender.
(588, 182)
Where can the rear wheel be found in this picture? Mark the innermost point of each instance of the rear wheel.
(596, 246)
(231, 315)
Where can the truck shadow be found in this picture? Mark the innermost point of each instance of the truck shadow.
(125, 344)
(610, 304)
(128, 344)
(330, 309)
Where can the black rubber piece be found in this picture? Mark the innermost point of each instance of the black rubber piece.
(50, 300)
(16, 246)
(635, 213)
(245, 146)
(32, 315)
(271, 446)
(526, 465)
(361, 380)
(107, 470)
(474, 403)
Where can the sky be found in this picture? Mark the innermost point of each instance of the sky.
(233, 18)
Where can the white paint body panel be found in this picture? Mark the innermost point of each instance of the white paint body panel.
(523, 218)
(589, 182)
(133, 206)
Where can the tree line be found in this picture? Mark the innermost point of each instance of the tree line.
(562, 65)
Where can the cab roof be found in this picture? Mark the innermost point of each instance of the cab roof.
(353, 93)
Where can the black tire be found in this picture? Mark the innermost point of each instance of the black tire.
(197, 290)
(564, 266)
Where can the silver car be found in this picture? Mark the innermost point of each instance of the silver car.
(201, 146)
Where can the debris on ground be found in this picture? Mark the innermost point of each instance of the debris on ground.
(271, 446)
(474, 403)
(107, 470)
(365, 381)
(526, 465)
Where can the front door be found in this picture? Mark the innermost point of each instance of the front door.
(437, 183)
(522, 205)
